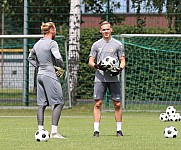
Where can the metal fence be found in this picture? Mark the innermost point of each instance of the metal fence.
(12, 23)
(13, 15)
(17, 77)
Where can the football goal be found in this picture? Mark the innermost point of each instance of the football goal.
(18, 77)
(152, 77)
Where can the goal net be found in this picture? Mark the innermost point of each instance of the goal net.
(17, 76)
(152, 78)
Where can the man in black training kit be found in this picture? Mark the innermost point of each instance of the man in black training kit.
(46, 57)
(107, 46)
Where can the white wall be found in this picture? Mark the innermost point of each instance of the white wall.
(13, 72)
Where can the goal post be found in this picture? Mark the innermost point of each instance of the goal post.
(17, 76)
(152, 78)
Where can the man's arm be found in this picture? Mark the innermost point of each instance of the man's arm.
(58, 58)
(32, 59)
(91, 62)
(123, 62)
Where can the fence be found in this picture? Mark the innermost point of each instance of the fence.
(58, 11)
(12, 24)
(17, 78)
(153, 73)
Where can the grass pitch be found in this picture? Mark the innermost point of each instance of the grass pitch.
(142, 130)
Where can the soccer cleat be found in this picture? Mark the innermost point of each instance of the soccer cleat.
(96, 134)
(119, 133)
(56, 136)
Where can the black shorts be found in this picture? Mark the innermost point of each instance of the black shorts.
(100, 89)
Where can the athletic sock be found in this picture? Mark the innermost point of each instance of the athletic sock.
(54, 129)
(96, 126)
(40, 127)
(119, 126)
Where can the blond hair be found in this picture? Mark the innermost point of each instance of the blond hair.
(45, 27)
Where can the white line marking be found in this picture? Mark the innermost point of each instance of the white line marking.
(45, 116)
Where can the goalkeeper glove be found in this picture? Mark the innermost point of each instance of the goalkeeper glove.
(101, 67)
(116, 71)
(96, 66)
(59, 71)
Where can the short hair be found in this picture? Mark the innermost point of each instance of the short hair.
(103, 23)
(45, 27)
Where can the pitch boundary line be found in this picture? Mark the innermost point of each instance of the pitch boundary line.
(48, 117)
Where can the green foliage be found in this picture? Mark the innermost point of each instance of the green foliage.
(58, 11)
(105, 8)
(38, 12)
(173, 11)
(86, 74)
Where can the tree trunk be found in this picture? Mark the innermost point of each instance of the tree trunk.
(178, 17)
(74, 47)
(127, 6)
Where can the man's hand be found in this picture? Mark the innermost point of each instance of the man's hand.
(96, 66)
(116, 71)
(59, 71)
(101, 67)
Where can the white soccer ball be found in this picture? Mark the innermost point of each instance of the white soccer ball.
(110, 62)
(170, 132)
(115, 63)
(170, 110)
(173, 117)
(106, 62)
(164, 117)
(42, 135)
(178, 116)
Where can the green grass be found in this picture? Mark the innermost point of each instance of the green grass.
(142, 131)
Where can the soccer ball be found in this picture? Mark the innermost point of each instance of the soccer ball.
(42, 135)
(170, 110)
(110, 62)
(170, 132)
(115, 63)
(178, 116)
(164, 117)
(174, 117)
(105, 63)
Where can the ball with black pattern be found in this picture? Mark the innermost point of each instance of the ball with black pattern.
(170, 132)
(42, 135)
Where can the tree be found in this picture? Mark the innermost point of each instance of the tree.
(74, 46)
(137, 5)
(38, 12)
(176, 5)
(173, 10)
(105, 8)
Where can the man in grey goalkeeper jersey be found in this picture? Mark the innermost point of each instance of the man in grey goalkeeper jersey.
(107, 46)
(45, 55)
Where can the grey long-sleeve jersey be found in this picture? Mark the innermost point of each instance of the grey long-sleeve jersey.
(44, 55)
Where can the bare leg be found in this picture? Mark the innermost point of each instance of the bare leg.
(97, 115)
(118, 111)
(97, 110)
